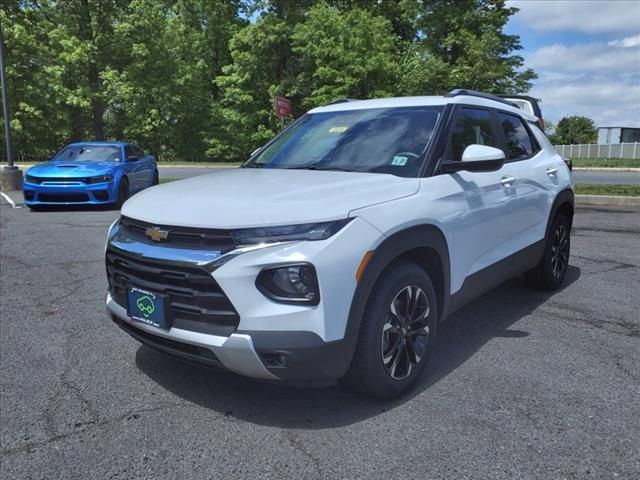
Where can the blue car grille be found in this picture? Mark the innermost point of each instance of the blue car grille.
(201, 238)
(57, 180)
(195, 301)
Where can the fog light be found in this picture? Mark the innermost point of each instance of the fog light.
(290, 284)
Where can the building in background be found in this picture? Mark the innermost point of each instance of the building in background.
(608, 135)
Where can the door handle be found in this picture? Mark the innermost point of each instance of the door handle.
(507, 181)
(552, 171)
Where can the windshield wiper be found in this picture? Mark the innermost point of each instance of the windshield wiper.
(315, 166)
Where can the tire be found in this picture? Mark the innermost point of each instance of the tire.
(378, 369)
(552, 269)
(123, 192)
(156, 178)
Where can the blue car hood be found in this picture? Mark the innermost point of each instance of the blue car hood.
(71, 169)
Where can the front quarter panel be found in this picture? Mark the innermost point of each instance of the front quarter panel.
(336, 261)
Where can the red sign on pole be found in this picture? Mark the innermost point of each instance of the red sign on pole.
(283, 107)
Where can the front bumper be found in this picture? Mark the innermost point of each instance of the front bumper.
(267, 340)
(235, 353)
(298, 358)
(73, 194)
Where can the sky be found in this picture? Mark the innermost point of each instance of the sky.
(587, 57)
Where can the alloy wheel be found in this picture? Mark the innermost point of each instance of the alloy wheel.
(405, 334)
(560, 251)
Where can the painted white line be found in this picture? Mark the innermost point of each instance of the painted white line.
(9, 199)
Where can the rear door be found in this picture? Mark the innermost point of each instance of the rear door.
(135, 166)
(148, 167)
(487, 201)
(536, 172)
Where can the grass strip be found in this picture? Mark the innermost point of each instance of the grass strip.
(606, 162)
(604, 189)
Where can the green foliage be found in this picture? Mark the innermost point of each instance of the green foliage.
(196, 79)
(574, 130)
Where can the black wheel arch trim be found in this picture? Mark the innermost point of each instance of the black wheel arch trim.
(392, 248)
(565, 197)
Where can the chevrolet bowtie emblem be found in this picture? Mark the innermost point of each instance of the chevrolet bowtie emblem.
(156, 234)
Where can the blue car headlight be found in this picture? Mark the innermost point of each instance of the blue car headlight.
(100, 179)
(288, 233)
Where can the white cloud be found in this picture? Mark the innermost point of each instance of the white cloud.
(628, 42)
(617, 57)
(598, 80)
(588, 16)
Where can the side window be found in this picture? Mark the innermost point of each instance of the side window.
(130, 152)
(519, 144)
(473, 126)
(138, 151)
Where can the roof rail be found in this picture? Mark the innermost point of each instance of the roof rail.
(473, 93)
(342, 100)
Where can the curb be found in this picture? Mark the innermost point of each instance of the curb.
(581, 200)
(607, 200)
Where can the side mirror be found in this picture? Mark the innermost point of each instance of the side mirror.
(476, 158)
(132, 158)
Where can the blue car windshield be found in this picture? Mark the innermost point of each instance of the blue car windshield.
(88, 153)
(380, 140)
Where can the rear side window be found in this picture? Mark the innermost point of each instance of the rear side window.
(519, 143)
(473, 126)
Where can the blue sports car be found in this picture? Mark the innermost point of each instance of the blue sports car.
(90, 173)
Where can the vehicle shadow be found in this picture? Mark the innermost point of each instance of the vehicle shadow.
(463, 334)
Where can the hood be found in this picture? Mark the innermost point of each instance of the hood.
(249, 197)
(71, 169)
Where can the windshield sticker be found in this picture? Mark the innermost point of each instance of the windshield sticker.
(399, 160)
(338, 129)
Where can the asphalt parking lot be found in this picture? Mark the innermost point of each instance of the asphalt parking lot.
(523, 384)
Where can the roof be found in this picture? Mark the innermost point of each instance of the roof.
(104, 144)
(426, 101)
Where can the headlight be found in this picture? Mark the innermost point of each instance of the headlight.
(100, 179)
(31, 179)
(290, 284)
(111, 227)
(288, 233)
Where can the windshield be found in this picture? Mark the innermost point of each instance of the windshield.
(88, 153)
(381, 140)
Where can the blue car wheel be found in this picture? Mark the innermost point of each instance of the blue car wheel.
(123, 192)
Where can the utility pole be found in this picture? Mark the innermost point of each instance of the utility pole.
(11, 178)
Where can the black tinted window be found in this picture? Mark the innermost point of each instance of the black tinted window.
(519, 144)
(473, 126)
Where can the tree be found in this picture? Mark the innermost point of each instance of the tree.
(338, 54)
(466, 38)
(574, 130)
(162, 94)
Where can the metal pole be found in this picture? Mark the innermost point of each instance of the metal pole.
(5, 103)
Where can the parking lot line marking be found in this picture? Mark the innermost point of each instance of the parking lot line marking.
(9, 199)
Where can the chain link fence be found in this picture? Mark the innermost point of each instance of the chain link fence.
(591, 150)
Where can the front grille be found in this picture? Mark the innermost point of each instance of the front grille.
(63, 197)
(59, 180)
(205, 238)
(194, 299)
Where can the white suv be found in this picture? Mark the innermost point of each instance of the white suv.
(336, 250)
